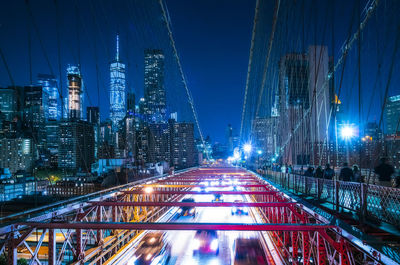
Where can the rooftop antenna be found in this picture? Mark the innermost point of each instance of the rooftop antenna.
(117, 55)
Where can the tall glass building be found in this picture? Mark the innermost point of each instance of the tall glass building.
(154, 90)
(75, 92)
(49, 84)
(392, 115)
(117, 89)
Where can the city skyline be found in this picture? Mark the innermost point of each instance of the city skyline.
(199, 60)
(200, 132)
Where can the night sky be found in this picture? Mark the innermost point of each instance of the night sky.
(213, 41)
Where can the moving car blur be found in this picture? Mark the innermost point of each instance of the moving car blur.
(239, 210)
(248, 251)
(217, 198)
(205, 242)
(152, 250)
(187, 210)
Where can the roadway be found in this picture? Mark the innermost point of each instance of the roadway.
(181, 241)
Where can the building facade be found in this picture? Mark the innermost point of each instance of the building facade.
(154, 91)
(304, 103)
(16, 154)
(392, 115)
(75, 92)
(159, 143)
(50, 86)
(183, 152)
(117, 89)
(264, 138)
(76, 145)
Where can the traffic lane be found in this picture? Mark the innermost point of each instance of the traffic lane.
(181, 241)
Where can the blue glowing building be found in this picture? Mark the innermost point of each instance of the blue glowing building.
(117, 89)
(154, 92)
(49, 84)
(75, 92)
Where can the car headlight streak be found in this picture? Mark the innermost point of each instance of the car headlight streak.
(196, 244)
(214, 244)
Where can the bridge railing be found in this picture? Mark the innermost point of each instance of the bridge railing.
(368, 201)
(45, 211)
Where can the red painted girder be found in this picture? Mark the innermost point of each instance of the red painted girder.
(198, 204)
(180, 226)
(202, 180)
(200, 193)
(205, 186)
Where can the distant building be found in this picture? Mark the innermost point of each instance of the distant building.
(107, 165)
(11, 100)
(392, 115)
(264, 137)
(52, 142)
(204, 149)
(117, 89)
(76, 145)
(183, 153)
(303, 105)
(93, 117)
(142, 145)
(12, 188)
(105, 151)
(129, 134)
(105, 132)
(392, 143)
(50, 86)
(16, 154)
(159, 143)
(154, 91)
(75, 92)
(130, 104)
(36, 103)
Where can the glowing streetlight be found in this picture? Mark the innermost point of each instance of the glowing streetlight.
(247, 148)
(347, 132)
(148, 189)
(259, 152)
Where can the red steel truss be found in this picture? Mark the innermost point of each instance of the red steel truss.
(92, 231)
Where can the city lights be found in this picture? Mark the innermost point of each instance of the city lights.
(347, 132)
(148, 189)
(247, 148)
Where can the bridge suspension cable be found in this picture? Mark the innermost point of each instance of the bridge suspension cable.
(249, 67)
(267, 59)
(369, 10)
(189, 95)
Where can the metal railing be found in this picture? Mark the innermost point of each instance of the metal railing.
(47, 210)
(370, 202)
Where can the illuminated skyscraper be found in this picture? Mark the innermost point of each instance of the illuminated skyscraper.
(154, 91)
(75, 92)
(49, 84)
(392, 115)
(117, 89)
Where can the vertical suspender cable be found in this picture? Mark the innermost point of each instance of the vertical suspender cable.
(271, 41)
(249, 69)
(167, 23)
(60, 89)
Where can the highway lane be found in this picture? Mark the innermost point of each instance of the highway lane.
(181, 241)
(182, 250)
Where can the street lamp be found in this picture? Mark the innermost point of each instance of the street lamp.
(247, 148)
(347, 132)
(148, 189)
